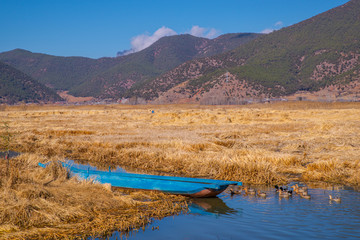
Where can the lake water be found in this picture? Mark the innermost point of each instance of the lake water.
(251, 217)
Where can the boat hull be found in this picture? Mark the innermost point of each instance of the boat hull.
(192, 187)
(206, 193)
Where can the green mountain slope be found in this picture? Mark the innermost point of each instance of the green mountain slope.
(226, 43)
(290, 56)
(165, 54)
(112, 77)
(308, 56)
(60, 73)
(15, 86)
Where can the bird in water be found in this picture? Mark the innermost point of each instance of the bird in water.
(335, 198)
(282, 188)
(235, 190)
(295, 188)
(284, 193)
(250, 191)
(305, 195)
(302, 190)
(261, 194)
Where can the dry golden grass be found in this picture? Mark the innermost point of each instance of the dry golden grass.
(268, 143)
(258, 144)
(43, 203)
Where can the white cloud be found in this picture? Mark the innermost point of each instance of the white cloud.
(267, 30)
(279, 24)
(198, 31)
(276, 26)
(143, 41)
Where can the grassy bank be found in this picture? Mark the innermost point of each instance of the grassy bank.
(38, 203)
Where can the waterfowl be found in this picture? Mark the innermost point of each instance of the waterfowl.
(305, 195)
(261, 194)
(335, 199)
(250, 191)
(277, 188)
(295, 188)
(300, 190)
(284, 194)
(155, 228)
(235, 190)
(303, 189)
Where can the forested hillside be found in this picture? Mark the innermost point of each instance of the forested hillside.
(15, 86)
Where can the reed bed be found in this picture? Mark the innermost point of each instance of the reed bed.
(255, 144)
(44, 203)
(262, 144)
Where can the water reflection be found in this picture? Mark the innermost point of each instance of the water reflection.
(210, 206)
(246, 216)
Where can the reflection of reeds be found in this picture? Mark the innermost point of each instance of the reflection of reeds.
(255, 144)
(43, 203)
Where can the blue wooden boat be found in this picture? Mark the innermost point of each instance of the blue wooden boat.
(193, 187)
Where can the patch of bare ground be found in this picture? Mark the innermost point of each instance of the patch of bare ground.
(72, 99)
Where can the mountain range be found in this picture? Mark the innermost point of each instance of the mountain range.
(319, 56)
(15, 86)
(112, 77)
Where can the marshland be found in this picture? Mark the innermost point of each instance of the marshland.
(263, 144)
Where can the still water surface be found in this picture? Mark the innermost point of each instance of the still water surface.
(250, 217)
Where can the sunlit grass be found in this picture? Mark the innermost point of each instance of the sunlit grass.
(256, 144)
(38, 203)
(279, 141)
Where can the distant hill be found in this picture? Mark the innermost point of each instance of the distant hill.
(60, 73)
(112, 77)
(165, 54)
(16, 86)
(319, 53)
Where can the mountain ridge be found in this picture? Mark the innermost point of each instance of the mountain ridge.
(112, 77)
(308, 56)
(16, 86)
(318, 55)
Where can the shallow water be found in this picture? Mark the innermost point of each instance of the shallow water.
(250, 217)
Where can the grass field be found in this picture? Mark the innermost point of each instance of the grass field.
(256, 144)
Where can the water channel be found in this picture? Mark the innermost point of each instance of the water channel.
(251, 217)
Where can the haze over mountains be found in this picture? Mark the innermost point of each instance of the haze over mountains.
(320, 54)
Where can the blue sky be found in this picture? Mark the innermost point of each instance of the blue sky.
(99, 28)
